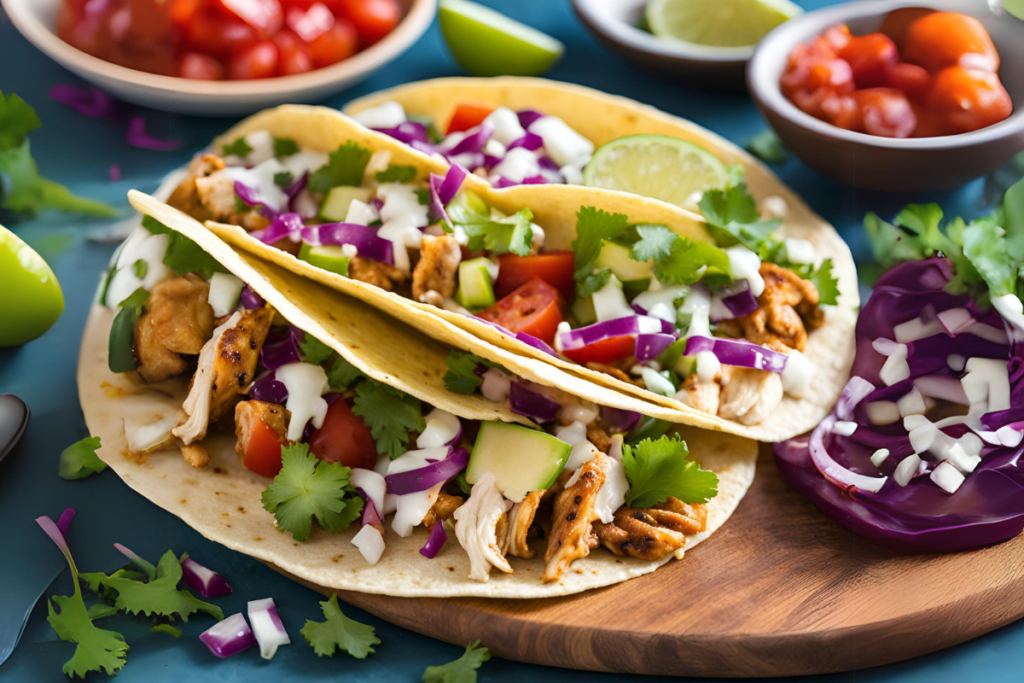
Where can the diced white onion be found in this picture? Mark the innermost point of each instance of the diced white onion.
(879, 456)
(882, 412)
(708, 366)
(907, 469)
(797, 375)
(506, 126)
(1012, 311)
(384, 115)
(844, 428)
(262, 144)
(912, 403)
(518, 164)
(947, 477)
(267, 627)
(896, 368)
(373, 485)
(563, 144)
(361, 213)
(370, 542)
(987, 382)
(225, 289)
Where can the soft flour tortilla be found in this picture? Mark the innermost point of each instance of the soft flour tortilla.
(554, 207)
(222, 500)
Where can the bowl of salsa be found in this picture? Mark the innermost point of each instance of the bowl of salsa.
(896, 96)
(221, 57)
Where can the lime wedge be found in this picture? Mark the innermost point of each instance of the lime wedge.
(32, 299)
(658, 166)
(1014, 7)
(487, 43)
(718, 23)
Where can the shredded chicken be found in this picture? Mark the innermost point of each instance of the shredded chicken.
(175, 320)
(749, 395)
(572, 535)
(375, 273)
(437, 267)
(195, 455)
(617, 373)
(442, 509)
(272, 415)
(702, 396)
(653, 533)
(220, 202)
(479, 524)
(186, 197)
(786, 308)
(599, 438)
(521, 518)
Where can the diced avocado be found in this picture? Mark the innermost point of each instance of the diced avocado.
(475, 289)
(471, 202)
(685, 366)
(334, 208)
(521, 459)
(616, 258)
(330, 258)
(583, 311)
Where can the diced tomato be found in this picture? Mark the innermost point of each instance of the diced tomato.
(295, 56)
(912, 79)
(373, 19)
(897, 22)
(200, 67)
(604, 351)
(263, 454)
(554, 268)
(309, 23)
(337, 43)
(266, 16)
(468, 116)
(182, 11)
(344, 438)
(885, 112)
(533, 309)
(968, 99)
(942, 39)
(216, 35)
(870, 57)
(259, 60)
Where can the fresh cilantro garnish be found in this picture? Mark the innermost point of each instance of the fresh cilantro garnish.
(339, 632)
(461, 376)
(79, 460)
(593, 227)
(593, 282)
(422, 196)
(512, 234)
(120, 349)
(396, 174)
(313, 351)
(984, 245)
(154, 226)
(166, 628)
(655, 243)
(428, 123)
(308, 487)
(822, 278)
(767, 146)
(659, 469)
(185, 256)
(238, 148)
(390, 414)
(463, 484)
(345, 167)
(462, 670)
(17, 120)
(283, 179)
(140, 268)
(690, 261)
(241, 206)
(285, 147)
(732, 218)
(343, 374)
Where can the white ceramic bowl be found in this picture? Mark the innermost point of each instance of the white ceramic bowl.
(37, 21)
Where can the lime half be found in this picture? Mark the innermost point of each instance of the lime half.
(487, 43)
(31, 300)
(1014, 7)
(658, 166)
(718, 23)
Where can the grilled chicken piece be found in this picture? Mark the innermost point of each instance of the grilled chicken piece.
(572, 535)
(273, 415)
(599, 438)
(186, 196)
(437, 267)
(375, 273)
(786, 308)
(652, 533)
(220, 203)
(749, 395)
(175, 320)
(521, 518)
(702, 396)
(479, 524)
(195, 455)
(442, 509)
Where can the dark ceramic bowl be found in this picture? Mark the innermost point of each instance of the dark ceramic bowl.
(879, 163)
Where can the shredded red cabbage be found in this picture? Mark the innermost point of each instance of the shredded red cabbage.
(91, 102)
(435, 542)
(620, 327)
(363, 237)
(536, 343)
(295, 188)
(280, 350)
(736, 299)
(114, 173)
(138, 137)
(738, 352)
(618, 420)
(250, 299)
(250, 197)
(528, 116)
(370, 515)
(530, 141)
(650, 346)
(443, 190)
(284, 225)
(503, 182)
(268, 389)
(532, 404)
(474, 141)
(64, 521)
(423, 478)
(408, 132)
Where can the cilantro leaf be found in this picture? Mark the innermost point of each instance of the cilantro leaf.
(512, 234)
(826, 283)
(659, 469)
(423, 196)
(461, 376)
(428, 123)
(238, 148)
(339, 632)
(690, 261)
(984, 244)
(313, 351)
(166, 628)
(593, 282)
(390, 414)
(185, 256)
(343, 374)
(24, 192)
(594, 226)
(345, 167)
(889, 244)
(120, 345)
(285, 147)
(307, 487)
(396, 174)
(732, 218)
(1011, 210)
(17, 120)
(79, 460)
(154, 226)
(140, 268)
(462, 670)
(768, 147)
(283, 179)
(655, 243)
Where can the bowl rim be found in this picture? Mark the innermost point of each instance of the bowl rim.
(763, 83)
(412, 26)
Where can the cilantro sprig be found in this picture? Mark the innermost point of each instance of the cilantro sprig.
(462, 374)
(390, 414)
(511, 234)
(285, 147)
(657, 469)
(396, 174)
(184, 255)
(339, 632)
(239, 148)
(345, 166)
(79, 460)
(462, 670)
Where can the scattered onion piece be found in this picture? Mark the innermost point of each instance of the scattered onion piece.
(435, 542)
(267, 627)
(91, 102)
(228, 637)
(203, 580)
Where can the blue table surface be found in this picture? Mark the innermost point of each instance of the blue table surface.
(78, 152)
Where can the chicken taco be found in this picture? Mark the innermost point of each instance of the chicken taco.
(305, 428)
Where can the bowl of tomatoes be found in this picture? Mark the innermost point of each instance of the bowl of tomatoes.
(221, 57)
(896, 96)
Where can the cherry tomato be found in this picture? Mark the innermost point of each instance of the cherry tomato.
(604, 351)
(555, 268)
(942, 39)
(259, 60)
(266, 16)
(373, 19)
(910, 79)
(870, 57)
(968, 99)
(263, 454)
(295, 56)
(897, 22)
(182, 11)
(885, 112)
(215, 35)
(200, 67)
(533, 309)
(468, 116)
(344, 438)
(337, 43)
(309, 23)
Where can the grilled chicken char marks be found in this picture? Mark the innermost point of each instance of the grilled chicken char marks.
(237, 354)
(572, 535)
(176, 320)
(652, 533)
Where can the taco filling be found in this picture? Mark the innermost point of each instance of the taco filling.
(346, 449)
(720, 326)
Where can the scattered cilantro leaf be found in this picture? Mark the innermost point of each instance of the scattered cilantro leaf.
(17, 120)
(238, 148)
(283, 179)
(140, 268)
(339, 632)
(593, 282)
(690, 261)
(307, 487)
(463, 484)
(768, 147)
(984, 244)
(390, 414)
(343, 374)
(101, 610)
(462, 670)
(166, 628)
(285, 147)
(241, 206)
(512, 234)
(825, 282)
(79, 460)
(423, 196)
(345, 167)
(732, 218)
(396, 174)
(659, 469)
(594, 226)
(154, 226)
(185, 256)
(655, 243)
(24, 191)
(314, 351)
(1012, 213)
(461, 376)
(120, 349)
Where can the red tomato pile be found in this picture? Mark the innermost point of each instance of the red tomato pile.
(925, 73)
(225, 39)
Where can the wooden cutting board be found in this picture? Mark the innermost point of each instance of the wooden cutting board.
(779, 590)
